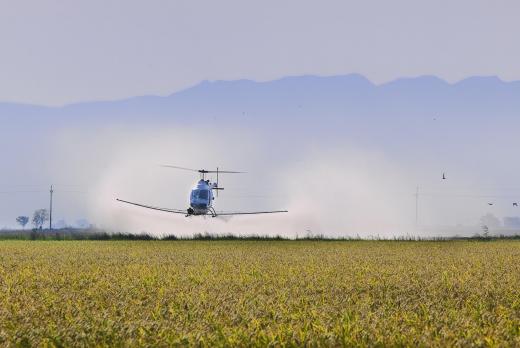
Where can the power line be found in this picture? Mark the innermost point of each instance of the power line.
(12, 192)
(41, 191)
(467, 195)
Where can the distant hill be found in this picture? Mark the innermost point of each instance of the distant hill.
(430, 114)
(409, 116)
(294, 99)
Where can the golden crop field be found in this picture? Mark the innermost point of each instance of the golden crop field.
(259, 293)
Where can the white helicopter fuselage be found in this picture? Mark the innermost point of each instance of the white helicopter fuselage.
(201, 198)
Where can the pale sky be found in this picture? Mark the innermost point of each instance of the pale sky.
(55, 52)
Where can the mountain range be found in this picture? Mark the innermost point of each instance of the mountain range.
(303, 97)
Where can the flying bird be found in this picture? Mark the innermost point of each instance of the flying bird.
(443, 176)
(490, 203)
(515, 204)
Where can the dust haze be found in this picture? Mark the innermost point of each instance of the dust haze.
(332, 188)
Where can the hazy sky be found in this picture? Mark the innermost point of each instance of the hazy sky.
(55, 52)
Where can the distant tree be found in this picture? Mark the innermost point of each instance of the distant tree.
(39, 218)
(83, 223)
(490, 220)
(22, 221)
(485, 229)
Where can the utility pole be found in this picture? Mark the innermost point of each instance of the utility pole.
(416, 208)
(50, 211)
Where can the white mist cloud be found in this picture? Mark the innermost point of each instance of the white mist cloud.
(349, 192)
(332, 190)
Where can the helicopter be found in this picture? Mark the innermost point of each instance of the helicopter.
(202, 197)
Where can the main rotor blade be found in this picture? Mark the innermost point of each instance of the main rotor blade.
(182, 168)
(223, 171)
(201, 170)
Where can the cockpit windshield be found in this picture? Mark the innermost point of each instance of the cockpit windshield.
(200, 194)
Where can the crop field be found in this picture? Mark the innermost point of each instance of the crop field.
(259, 293)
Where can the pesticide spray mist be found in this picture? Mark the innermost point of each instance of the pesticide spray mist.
(331, 189)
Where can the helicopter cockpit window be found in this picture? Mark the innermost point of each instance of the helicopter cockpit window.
(200, 194)
(203, 194)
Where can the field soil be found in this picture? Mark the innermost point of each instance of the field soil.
(259, 293)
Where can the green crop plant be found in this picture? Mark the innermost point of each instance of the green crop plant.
(260, 293)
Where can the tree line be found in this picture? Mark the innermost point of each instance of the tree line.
(40, 216)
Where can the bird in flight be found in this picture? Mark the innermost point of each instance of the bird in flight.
(515, 204)
(443, 176)
(490, 203)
